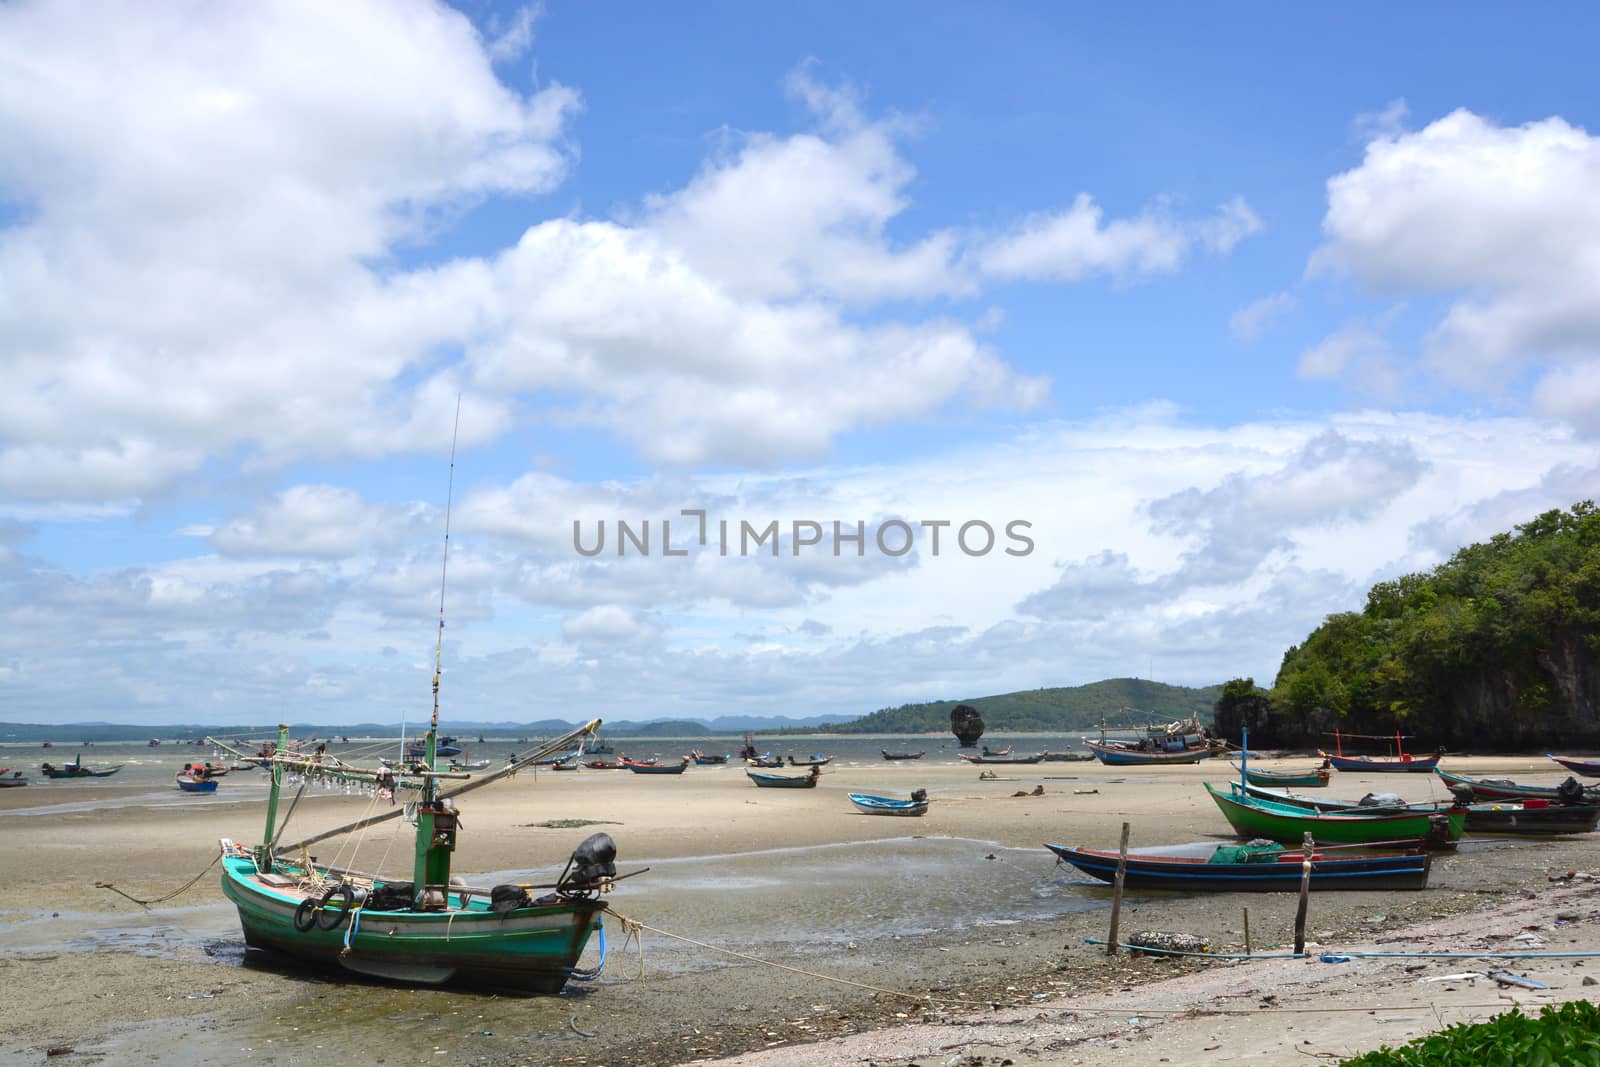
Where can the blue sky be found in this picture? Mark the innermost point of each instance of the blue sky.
(1238, 311)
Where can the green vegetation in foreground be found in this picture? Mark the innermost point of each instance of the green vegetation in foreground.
(1497, 648)
(1119, 701)
(1568, 1034)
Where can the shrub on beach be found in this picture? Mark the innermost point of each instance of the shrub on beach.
(1568, 1034)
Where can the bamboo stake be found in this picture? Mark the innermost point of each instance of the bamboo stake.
(1305, 891)
(1247, 951)
(1116, 893)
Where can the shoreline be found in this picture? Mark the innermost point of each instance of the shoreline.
(781, 875)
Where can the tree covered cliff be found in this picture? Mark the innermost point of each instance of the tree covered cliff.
(1497, 648)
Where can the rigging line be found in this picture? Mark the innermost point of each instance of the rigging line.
(169, 896)
(444, 566)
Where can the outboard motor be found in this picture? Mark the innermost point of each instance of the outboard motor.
(591, 865)
(1569, 792)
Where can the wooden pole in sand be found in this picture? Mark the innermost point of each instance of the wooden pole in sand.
(1116, 892)
(1247, 932)
(1305, 891)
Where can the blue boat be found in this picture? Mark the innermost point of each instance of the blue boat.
(196, 785)
(786, 781)
(876, 805)
(1211, 866)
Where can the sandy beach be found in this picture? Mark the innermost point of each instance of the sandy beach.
(957, 934)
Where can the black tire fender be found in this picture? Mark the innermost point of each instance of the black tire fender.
(304, 916)
(323, 920)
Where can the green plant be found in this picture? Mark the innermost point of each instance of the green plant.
(1560, 1036)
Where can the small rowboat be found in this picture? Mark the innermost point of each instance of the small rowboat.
(656, 768)
(987, 751)
(14, 781)
(1589, 768)
(769, 760)
(816, 760)
(602, 765)
(786, 781)
(76, 770)
(870, 804)
(1315, 778)
(1402, 763)
(703, 760)
(1205, 867)
(190, 784)
(901, 755)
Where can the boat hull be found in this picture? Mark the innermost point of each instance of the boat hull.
(1479, 789)
(1403, 765)
(1114, 756)
(876, 805)
(1313, 779)
(194, 785)
(901, 755)
(529, 950)
(783, 781)
(1003, 759)
(1253, 817)
(1152, 870)
(1587, 767)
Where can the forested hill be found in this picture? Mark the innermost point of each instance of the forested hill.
(1496, 649)
(1120, 701)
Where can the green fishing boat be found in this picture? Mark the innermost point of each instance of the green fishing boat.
(428, 929)
(1255, 817)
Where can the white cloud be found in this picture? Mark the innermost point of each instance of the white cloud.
(318, 521)
(1076, 243)
(1253, 320)
(1502, 220)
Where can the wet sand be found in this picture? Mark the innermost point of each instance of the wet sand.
(953, 920)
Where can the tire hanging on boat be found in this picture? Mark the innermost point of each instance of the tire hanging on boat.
(305, 916)
(342, 889)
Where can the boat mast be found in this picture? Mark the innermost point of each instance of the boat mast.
(264, 852)
(436, 817)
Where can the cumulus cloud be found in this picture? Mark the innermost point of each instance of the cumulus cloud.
(1253, 320)
(1077, 243)
(1503, 222)
(319, 521)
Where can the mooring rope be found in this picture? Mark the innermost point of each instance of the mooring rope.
(161, 900)
(630, 926)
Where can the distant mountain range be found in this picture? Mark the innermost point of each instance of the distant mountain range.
(1118, 701)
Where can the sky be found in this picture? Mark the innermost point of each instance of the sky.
(793, 361)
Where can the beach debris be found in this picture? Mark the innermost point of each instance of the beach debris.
(1531, 940)
(1333, 957)
(1507, 978)
(1084, 792)
(1589, 979)
(198, 996)
(573, 1022)
(1464, 976)
(1167, 941)
(58, 1050)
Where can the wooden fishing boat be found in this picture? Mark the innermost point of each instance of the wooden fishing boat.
(1281, 795)
(76, 769)
(872, 804)
(987, 751)
(703, 760)
(425, 928)
(1469, 789)
(901, 755)
(1315, 778)
(1253, 817)
(602, 765)
(190, 784)
(816, 760)
(1068, 757)
(655, 768)
(786, 781)
(14, 780)
(1218, 867)
(768, 760)
(1588, 767)
(1401, 762)
(1001, 759)
(1532, 817)
(1129, 754)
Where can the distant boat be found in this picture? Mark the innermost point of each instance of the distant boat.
(1212, 866)
(191, 784)
(987, 751)
(786, 781)
(1401, 761)
(655, 768)
(872, 804)
(1002, 759)
(76, 769)
(15, 780)
(816, 760)
(1588, 767)
(704, 760)
(1315, 778)
(1068, 757)
(768, 760)
(154, 742)
(901, 755)
(1183, 741)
